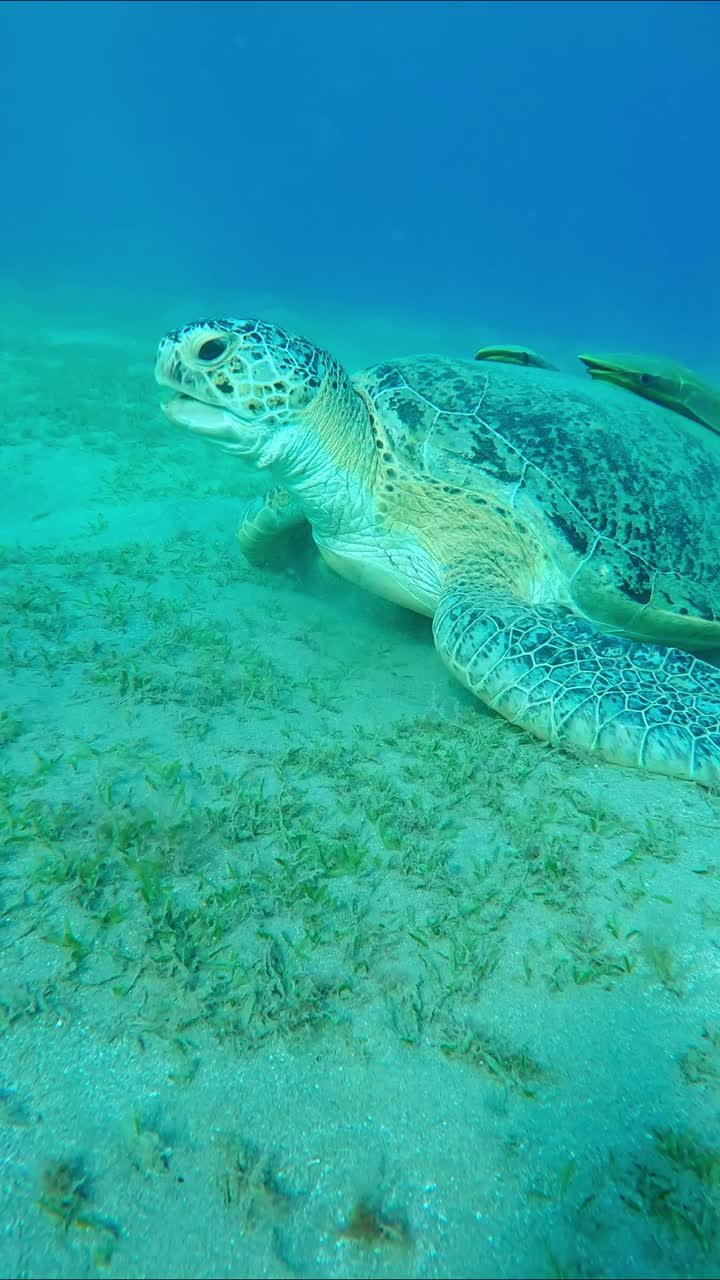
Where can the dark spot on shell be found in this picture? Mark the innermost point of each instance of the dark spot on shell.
(642, 593)
(577, 538)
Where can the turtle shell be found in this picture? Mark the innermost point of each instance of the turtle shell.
(623, 494)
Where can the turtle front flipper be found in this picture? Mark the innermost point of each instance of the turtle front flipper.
(267, 522)
(553, 674)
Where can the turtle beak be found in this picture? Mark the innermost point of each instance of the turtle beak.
(202, 419)
(183, 409)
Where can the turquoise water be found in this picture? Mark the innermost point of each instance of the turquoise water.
(309, 965)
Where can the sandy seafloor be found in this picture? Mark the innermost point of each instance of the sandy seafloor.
(309, 966)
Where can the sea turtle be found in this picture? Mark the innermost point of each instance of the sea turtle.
(562, 535)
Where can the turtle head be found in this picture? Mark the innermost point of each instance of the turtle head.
(239, 382)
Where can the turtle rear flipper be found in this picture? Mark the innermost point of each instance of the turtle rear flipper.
(555, 675)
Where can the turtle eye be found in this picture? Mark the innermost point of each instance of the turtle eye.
(212, 349)
(645, 379)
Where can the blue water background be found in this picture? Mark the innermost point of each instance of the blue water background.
(538, 167)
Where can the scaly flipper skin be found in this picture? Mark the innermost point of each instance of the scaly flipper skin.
(555, 675)
(266, 523)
